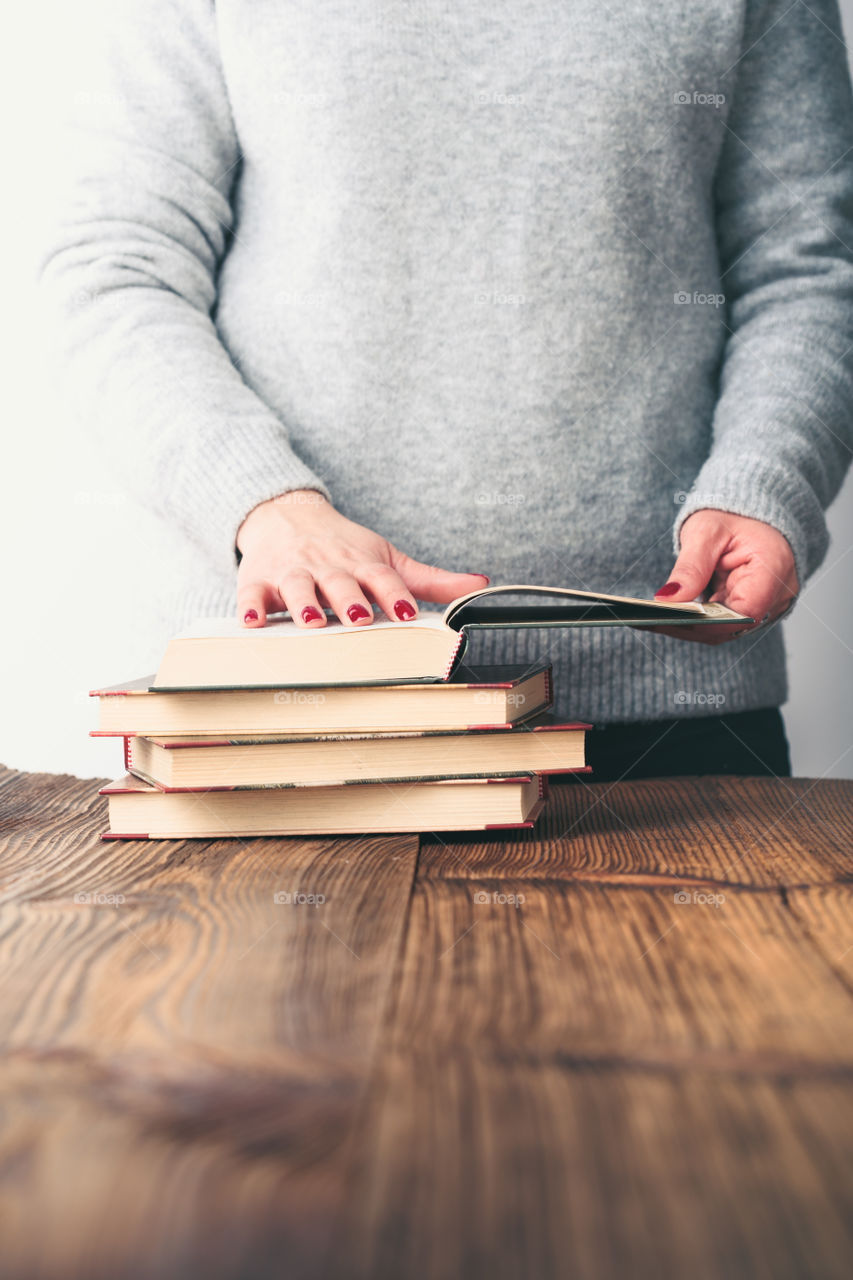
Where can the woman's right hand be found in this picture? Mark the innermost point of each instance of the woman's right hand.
(299, 553)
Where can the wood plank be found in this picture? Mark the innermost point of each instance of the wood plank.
(601, 1081)
(130, 1171)
(180, 1047)
(473, 1164)
(593, 973)
(606, 1082)
(755, 832)
(826, 914)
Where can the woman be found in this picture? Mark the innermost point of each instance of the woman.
(378, 299)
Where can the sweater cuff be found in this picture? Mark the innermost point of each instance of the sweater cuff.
(249, 467)
(761, 490)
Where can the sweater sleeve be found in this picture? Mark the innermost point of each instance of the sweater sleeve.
(128, 275)
(782, 429)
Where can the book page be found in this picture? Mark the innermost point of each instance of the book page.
(281, 624)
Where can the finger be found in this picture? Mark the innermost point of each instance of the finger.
(345, 596)
(702, 543)
(299, 597)
(389, 590)
(428, 582)
(710, 635)
(254, 601)
(753, 590)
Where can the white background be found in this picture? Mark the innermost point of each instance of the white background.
(82, 565)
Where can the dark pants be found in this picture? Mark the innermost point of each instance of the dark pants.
(746, 742)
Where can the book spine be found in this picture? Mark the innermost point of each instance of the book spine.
(128, 764)
(514, 826)
(575, 768)
(460, 640)
(549, 687)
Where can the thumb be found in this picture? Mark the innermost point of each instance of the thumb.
(428, 582)
(694, 568)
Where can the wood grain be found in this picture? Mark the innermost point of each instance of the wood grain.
(719, 831)
(188, 1048)
(620, 1044)
(587, 973)
(471, 1165)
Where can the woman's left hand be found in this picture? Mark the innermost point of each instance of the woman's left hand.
(742, 563)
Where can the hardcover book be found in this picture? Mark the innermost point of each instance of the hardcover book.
(219, 652)
(487, 696)
(138, 811)
(541, 745)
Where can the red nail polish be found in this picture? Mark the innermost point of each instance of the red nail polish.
(483, 575)
(356, 611)
(310, 614)
(669, 589)
(404, 610)
(251, 615)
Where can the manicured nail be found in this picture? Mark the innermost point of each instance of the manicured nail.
(310, 614)
(669, 589)
(251, 615)
(404, 610)
(356, 611)
(483, 575)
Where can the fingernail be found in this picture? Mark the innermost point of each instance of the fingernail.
(356, 611)
(310, 614)
(483, 575)
(669, 589)
(251, 615)
(404, 610)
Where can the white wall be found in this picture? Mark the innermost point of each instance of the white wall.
(82, 564)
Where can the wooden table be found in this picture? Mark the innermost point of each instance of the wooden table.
(632, 1059)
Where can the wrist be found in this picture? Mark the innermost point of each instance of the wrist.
(270, 512)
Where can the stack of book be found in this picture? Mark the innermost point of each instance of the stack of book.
(282, 730)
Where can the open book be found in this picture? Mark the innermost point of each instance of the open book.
(220, 653)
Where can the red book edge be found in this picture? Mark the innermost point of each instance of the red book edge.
(138, 785)
(346, 782)
(145, 684)
(270, 739)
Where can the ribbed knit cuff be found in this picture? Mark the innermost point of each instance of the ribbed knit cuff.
(761, 490)
(251, 464)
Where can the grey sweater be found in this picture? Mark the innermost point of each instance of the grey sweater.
(518, 285)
